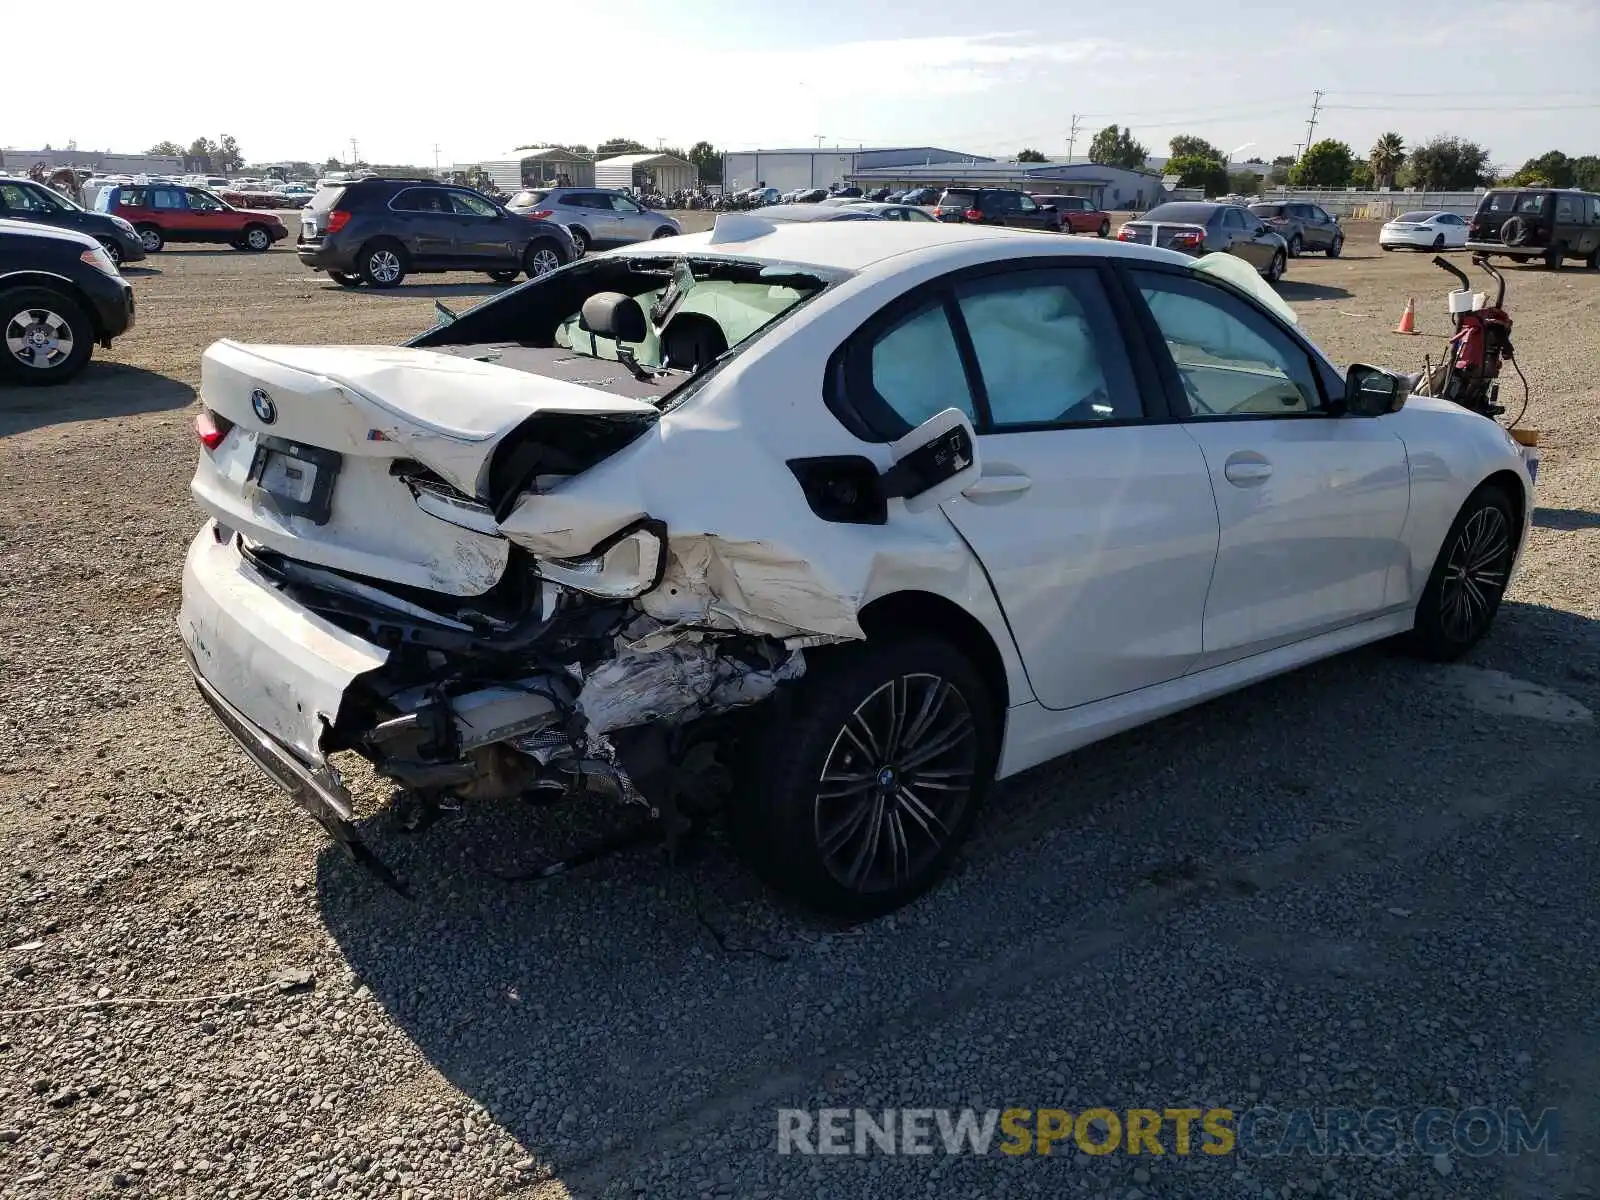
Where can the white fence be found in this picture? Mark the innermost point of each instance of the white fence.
(1380, 206)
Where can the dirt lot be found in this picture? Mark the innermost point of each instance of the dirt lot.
(1370, 884)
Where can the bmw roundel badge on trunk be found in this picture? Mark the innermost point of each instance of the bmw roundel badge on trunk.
(263, 406)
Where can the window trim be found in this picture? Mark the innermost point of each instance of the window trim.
(1161, 358)
(456, 191)
(420, 212)
(848, 374)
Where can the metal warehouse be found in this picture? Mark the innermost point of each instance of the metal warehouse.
(660, 173)
(788, 170)
(531, 167)
(1108, 187)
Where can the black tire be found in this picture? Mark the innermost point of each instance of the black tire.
(1336, 247)
(1275, 271)
(542, 257)
(1105, 228)
(1388, 249)
(151, 238)
(503, 276)
(1438, 242)
(665, 231)
(112, 248)
(840, 711)
(1593, 261)
(1555, 258)
(1469, 578)
(345, 279)
(1295, 246)
(33, 323)
(255, 238)
(580, 241)
(383, 264)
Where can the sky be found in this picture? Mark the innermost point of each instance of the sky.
(986, 79)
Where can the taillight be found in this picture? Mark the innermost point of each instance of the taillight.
(337, 220)
(541, 214)
(973, 214)
(1125, 234)
(1185, 241)
(211, 428)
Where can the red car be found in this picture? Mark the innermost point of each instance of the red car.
(1078, 215)
(175, 212)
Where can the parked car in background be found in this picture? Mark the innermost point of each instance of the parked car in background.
(920, 196)
(790, 213)
(1302, 226)
(1078, 214)
(1198, 227)
(994, 498)
(995, 206)
(595, 217)
(1424, 231)
(379, 230)
(893, 212)
(174, 212)
(60, 295)
(1553, 224)
(25, 200)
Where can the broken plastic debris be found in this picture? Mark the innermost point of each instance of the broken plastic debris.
(293, 979)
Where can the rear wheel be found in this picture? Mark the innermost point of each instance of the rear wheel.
(1294, 246)
(383, 265)
(345, 278)
(1593, 261)
(1438, 242)
(664, 232)
(45, 336)
(150, 238)
(1556, 257)
(861, 798)
(502, 276)
(541, 258)
(1469, 578)
(580, 241)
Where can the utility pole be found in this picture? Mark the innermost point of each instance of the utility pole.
(436, 158)
(1072, 136)
(355, 152)
(1311, 125)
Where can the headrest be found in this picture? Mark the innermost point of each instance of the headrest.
(613, 315)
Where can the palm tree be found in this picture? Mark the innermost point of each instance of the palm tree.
(1388, 153)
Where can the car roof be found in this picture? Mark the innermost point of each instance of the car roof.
(857, 245)
(49, 233)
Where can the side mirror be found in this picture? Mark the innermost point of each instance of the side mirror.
(1373, 391)
(935, 462)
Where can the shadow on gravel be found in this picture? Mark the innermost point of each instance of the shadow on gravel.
(438, 291)
(1566, 518)
(613, 1014)
(1294, 289)
(139, 272)
(105, 389)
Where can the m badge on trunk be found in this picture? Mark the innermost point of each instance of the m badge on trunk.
(264, 408)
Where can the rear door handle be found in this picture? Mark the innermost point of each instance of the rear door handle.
(996, 485)
(1247, 472)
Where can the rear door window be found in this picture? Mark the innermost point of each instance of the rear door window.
(915, 367)
(1568, 210)
(421, 200)
(1532, 204)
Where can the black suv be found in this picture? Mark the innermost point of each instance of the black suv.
(379, 230)
(25, 200)
(1553, 224)
(996, 206)
(60, 293)
(1302, 226)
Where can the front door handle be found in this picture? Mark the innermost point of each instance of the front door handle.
(997, 485)
(1247, 472)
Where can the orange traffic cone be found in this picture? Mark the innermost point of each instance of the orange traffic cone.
(1408, 319)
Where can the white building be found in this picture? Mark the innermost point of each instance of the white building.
(663, 173)
(821, 167)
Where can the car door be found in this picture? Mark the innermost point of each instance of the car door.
(1093, 518)
(483, 236)
(427, 226)
(1318, 227)
(1570, 227)
(1312, 505)
(170, 208)
(1031, 215)
(633, 223)
(207, 219)
(1454, 230)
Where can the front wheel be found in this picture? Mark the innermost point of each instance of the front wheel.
(663, 232)
(860, 799)
(540, 259)
(1294, 246)
(502, 276)
(1336, 247)
(1556, 258)
(256, 239)
(580, 242)
(45, 337)
(1275, 271)
(1469, 578)
(1438, 242)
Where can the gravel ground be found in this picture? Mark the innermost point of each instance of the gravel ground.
(1370, 883)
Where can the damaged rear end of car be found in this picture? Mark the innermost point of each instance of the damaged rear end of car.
(397, 563)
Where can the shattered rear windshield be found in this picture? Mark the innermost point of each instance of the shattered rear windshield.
(694, 312)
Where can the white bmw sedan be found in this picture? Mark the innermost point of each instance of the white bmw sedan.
(1424, 231)
(835, 522)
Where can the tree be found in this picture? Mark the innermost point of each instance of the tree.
(171, 148)
(1244, 183)
(1586, 172)
(1029, 154)
(333, 164)
(1186, 145)
(1114, 148)
(1388, 155)
(1326, 164)
(612, 147)
(1553, 169)
(229, 157)
(707, 160)
(1361, 176)
(201, 154)
(1450, 164)
(1200, 171)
